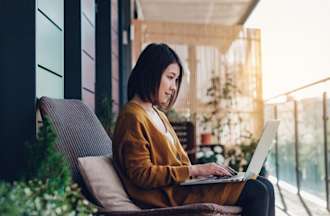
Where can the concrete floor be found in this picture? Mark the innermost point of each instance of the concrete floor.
(290, 204)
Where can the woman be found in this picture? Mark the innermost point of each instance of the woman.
(148, 155)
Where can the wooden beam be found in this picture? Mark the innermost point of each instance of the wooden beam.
(137, 43)
(185, 33)
(192, 65)
(248, 12)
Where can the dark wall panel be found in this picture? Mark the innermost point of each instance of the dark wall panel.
(103, 54)
(72, 55)
(17, 83)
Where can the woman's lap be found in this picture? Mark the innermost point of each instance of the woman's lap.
(257, 197)
(226, 193)
(222, 194)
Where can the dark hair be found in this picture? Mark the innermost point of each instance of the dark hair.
(145, 77)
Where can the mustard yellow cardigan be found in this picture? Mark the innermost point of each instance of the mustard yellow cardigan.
(151, 167)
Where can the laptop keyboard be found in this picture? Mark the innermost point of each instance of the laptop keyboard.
(221, 177)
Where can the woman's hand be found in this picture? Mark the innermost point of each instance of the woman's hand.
(208, 169)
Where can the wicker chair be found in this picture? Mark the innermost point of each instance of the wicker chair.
(81, 134)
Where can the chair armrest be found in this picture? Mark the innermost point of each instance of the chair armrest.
(198, 209)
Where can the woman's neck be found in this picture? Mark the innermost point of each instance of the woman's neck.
(146, 105)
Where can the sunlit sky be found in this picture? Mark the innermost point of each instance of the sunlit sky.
(295, 40)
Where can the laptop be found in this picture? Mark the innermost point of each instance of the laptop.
(255, 164)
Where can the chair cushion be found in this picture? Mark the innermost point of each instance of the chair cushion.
(79, 133)
(103, 182)
(198, 209)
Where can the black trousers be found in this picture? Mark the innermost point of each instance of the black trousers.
(257, 198)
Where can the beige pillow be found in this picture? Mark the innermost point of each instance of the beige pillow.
(103, 182)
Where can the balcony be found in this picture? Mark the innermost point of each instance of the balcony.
(299, 161)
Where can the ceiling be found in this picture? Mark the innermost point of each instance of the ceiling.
(224, 12)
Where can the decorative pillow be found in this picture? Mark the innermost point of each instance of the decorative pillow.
(104, 184)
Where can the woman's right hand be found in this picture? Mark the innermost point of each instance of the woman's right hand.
(208, 169)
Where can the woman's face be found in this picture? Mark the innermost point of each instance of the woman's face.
(168, 83)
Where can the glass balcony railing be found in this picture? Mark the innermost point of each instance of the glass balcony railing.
(300, 156)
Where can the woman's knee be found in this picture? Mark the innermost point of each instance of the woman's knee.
(257, 188)
(255, 193)
(268, 184)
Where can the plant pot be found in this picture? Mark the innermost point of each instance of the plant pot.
(206, 138)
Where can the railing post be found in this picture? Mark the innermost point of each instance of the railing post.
(296, 143)
(277, 170)
(325, 119)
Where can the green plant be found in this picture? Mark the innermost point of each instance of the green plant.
(224, 118)
(174, 116)
(44, 162)
(34, 197)
(107, 116)
(238, 156)
(205, 122)
(210, 154)
(221, 104)
(46, 187)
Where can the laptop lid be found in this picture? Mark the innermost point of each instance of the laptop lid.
(262, 149)
(256, 162)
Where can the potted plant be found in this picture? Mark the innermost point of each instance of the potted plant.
(210, 154)
(238, 156)
(107, 116)
(206, 135)
(45, 188)
(220, 104)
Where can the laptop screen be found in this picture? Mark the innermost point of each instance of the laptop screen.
(263, 147)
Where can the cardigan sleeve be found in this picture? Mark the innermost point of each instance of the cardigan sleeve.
(139, 167)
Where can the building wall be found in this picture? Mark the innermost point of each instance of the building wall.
(50, 48)
(88, 52)
(115, 55)
(17, 83)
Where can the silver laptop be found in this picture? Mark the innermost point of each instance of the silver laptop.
(255, 164)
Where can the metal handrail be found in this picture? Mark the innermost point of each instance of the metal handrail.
(296, 142)
(298, 89)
